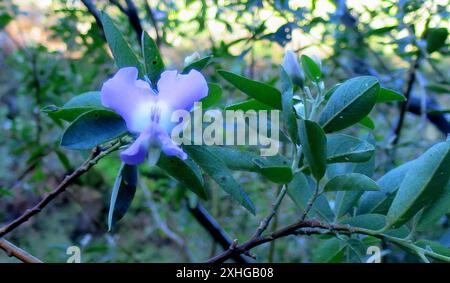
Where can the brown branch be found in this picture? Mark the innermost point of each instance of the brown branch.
(407, 93)
(118, 5)
(133, 18)
(310, 227)
(154, 22)
(95, 156)
(14, 251)
(95, 13)
(132, 14)
(292, 229)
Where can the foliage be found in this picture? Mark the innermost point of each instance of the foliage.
(356, 168)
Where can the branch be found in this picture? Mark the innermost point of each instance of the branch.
(95, 156)
(133, 18)
(14, 251)
(266, 221)
(152, 17)
(95, 13)
(132, 14)
(321, 228)
(118, 5)
(407, 93)
(214, 229)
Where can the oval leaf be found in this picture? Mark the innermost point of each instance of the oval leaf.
(300, 191)
(220, 173)
(184, 171)
(123, 193)
(311, 69)
(278, 174)
(350, 103)
(197, 65)
(76, 106)
(314, 143)
(379, 201)
(435, 210)
(121, 50)
(213, 97)
(351, 182)
(250, 104)
(345, 148)
(153, 62)
(388, 95)
(260, 91)
(436, 38)
(93, 128)
(422, 184)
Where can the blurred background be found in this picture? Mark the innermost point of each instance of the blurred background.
(52, 50)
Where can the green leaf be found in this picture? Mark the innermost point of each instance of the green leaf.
(214, 95)
(314, 143)
(376, 222)
(277, 174)
(435, 210)
(311, 69)
(220, 173)
(330, 251)
(367, 221)
(93, 128)
(331, 91)
(250, 104)
(4, 20)
(436, 38)
(186, 172)
(379, 201)
(423, 183)
(345, 148)
(300, 191)
(346, 200)
(445, 111)
(243, 160)
(198, 65)
(351, 182)
(236, 159)
(434, 247)
(388, 95)
(367, 122)
(260, 91)
(121, 50)
(380, 31)
(350, 103)
(153, 62)
(76, 106)
(123, 193)
(438, 88)
(288, 114)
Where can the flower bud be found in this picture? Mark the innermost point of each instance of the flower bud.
(292, 67)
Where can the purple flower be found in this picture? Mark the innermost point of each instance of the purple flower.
(147, 113)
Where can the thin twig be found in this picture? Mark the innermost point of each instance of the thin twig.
(266, 221)
(407, 93)
(154, 22)
(14, 251)
(95, 13)
(95, 156)
(304, 228)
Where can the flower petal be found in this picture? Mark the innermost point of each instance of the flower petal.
(130, 98)
(181, 91)
(168, 146)
(137, 151)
